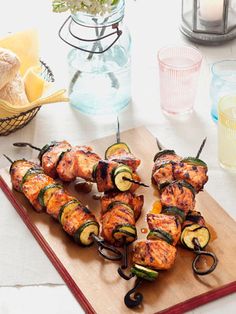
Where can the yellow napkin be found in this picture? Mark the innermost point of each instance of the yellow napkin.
(35, 85)
(25, 45)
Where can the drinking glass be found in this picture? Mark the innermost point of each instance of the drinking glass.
(179, 69)
(223, 83)
(227, 132)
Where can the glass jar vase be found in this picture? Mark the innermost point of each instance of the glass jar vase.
(99, 63)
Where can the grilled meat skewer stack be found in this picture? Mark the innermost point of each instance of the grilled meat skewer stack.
(60, 159)
(44, 193)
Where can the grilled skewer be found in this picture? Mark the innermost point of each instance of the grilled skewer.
(45, 194)
(60, 159)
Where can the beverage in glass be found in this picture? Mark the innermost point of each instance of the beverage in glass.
(227, 132)
(179, 69)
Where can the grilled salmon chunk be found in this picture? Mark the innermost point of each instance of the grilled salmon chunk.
(87, 159)
(118, 216)
(18, 170)
(193, 174)
(156, 254)
(193, 217)
(134, 201)
(56, 201)
(123, 157)
(67, 168)
(33, 186)
(163, 174)
(76, 218)
(169, 224)
(104, 175)
(51, 157)
(165, 158)
(178, 195)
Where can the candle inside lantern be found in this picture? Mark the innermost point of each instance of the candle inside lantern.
(211, 10)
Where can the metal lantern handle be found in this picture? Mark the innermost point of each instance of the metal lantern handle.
(68, 22)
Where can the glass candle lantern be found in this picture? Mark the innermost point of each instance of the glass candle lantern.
(209, 21)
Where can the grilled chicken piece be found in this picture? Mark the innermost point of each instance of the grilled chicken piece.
(56, 201)
(134, 186)
(195, 175)
(51, 157)
(163, 174)
(103, 175)
(123, 157)
(87, 159)
(194, 217)
(178, 195)
(134, 201)
(18, 170)
(169, 224)
(156, 254)
(33, 186)
(165, 158)
(118, 216)
(67, 168)
(76, 218)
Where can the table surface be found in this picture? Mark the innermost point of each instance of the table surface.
(27, 277)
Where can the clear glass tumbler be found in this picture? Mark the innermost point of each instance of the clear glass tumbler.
(227, 132)
(179, 69)
(223, 83)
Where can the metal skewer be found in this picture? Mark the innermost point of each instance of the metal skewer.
(24, 144)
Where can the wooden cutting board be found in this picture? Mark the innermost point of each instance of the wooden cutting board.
(95, 282)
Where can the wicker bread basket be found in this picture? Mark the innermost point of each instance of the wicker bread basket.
(14, 123)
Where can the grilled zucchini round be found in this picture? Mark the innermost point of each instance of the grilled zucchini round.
(120, 173)
(201, 233)
(83, 234)
(66, 208)
(174, 211)
(158, 233)
(126, 233)
(111, 150)
(46, 193)
(194, 161)
(144, 272)
(164, 152)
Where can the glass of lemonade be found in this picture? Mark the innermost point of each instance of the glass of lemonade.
(227, 132)
(179, 68)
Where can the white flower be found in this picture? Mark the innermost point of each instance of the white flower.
(89, 6)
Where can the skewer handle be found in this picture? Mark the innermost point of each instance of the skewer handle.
(116, 254)
(200, 253)
(137, 298)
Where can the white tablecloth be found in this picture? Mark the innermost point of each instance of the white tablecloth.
(25, 272)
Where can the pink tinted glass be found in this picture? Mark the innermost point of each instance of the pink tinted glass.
(179, 69)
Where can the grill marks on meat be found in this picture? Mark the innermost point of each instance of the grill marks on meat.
(156, 254)
(179, 196)
(167, 223)
(103, 175)
(117, 216)
(123, 157)
(134, 201)
(18, 170)
(51, 157)
(194, 175)
(33, 186)
(56, 201)
(76, 218)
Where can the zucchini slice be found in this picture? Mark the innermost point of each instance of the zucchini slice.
(94, 171)
(144, 272)
(201, 233)
(46, 193)
(118, 175)
(112, 204)
(164, 152)
(45, 149)
(111, 150)
(31, 172)
(187, 185)
(126, 232)
(159, 233)
(194, 161)
(174, 211)
(66, 208)
(83, 234)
